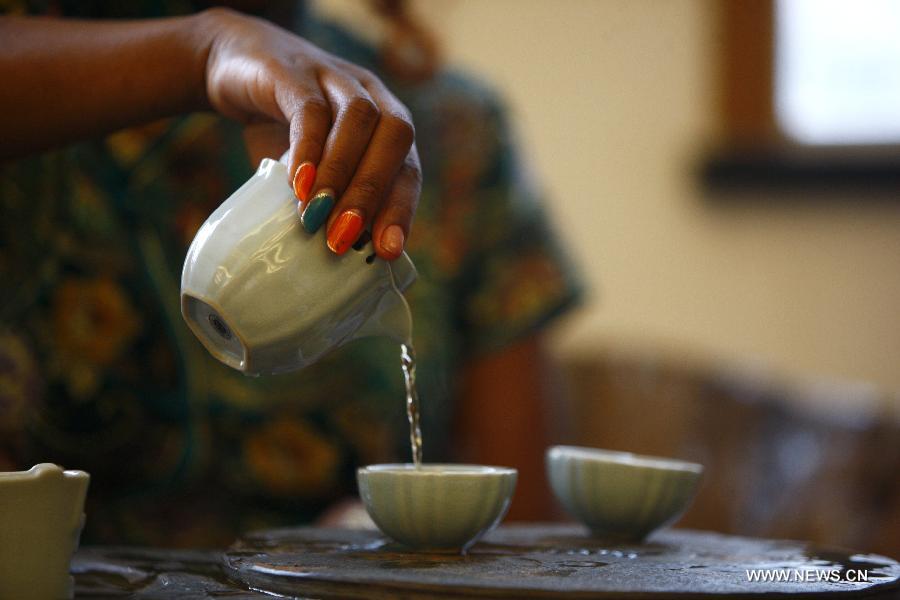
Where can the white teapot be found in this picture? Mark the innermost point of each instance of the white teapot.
(264, 296)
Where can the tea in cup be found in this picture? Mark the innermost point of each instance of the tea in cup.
(438, 507)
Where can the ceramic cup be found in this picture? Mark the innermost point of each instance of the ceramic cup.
(436, 507)
(619, 495)
(41, 516)
(264, 296)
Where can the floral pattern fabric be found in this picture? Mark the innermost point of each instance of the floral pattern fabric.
(99, 372)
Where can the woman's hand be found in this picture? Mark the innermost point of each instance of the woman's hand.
(353, 162)
(353, 159)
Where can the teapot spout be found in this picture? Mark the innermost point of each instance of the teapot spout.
(392, 317)
(403, 272)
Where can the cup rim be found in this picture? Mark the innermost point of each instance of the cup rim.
(437, 470)
(38, 470)
(619, 457)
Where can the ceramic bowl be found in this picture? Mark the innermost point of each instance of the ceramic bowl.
(434, 506)
(263, 296)
(619, 495)
(41, 516)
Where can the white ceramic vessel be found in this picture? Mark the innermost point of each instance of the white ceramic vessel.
(436, 507)
(41, 516)
(264, 296)
(619, 495)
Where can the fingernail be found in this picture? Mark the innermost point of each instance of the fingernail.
(345, 230)
(317, 211)
(303, 180)
(392, 240)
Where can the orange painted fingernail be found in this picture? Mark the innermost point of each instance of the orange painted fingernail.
(345, 231)
(303, 180)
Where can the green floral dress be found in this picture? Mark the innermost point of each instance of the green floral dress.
(99, 372)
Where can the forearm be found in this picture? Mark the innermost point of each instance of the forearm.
(65, 80)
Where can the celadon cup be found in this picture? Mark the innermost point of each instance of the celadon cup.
(619, 495)
(436, 507)
(264, 296)
(41, 517)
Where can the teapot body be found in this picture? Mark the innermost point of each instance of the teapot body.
(264, 296)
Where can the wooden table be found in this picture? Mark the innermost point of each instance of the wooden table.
(535, 561)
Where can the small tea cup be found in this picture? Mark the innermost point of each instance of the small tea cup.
(41, 516)
(437, 507)
(619, 495)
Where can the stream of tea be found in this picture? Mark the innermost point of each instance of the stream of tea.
(408, 363)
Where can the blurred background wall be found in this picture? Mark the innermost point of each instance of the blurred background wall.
(616, 101)
(759, 334)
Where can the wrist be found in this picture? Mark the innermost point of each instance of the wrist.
(198, 33)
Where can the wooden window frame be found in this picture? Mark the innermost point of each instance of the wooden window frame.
(755, 152)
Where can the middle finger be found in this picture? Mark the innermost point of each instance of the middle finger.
(356, 116)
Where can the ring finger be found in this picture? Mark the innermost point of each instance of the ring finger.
(372, 181)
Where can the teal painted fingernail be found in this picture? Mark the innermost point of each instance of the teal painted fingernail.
(317, 211)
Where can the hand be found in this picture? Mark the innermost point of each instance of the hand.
(353, 160)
